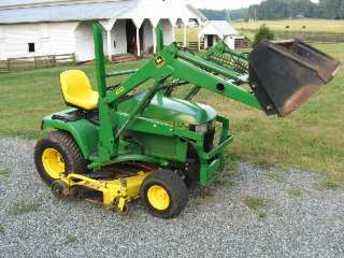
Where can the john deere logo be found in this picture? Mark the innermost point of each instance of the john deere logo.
(159, 61)
(119, 90)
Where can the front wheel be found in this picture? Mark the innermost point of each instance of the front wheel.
(58, 155)
(164, 194)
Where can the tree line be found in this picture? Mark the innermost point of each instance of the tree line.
(282, 9)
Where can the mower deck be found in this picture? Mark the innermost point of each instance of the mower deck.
(113, 194)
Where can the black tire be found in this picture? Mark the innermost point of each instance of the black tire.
(60, 190)
(175, 187)
(192, 168)
(63, 143)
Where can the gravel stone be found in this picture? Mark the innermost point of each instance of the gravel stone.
(220, 224)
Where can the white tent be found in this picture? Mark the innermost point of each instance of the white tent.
(218, 30)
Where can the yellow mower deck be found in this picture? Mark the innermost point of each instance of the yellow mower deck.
(116, 193)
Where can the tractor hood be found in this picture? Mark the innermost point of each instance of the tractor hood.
(171, 110)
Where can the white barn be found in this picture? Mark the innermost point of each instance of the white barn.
(214, 31)
(51, 27)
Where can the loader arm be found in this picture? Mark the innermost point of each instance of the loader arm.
(172, 62)
(282, 76)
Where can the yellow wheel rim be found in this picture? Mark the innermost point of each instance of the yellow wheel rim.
(53, 163)
(158, 197)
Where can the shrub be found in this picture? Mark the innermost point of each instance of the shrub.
(264, 33)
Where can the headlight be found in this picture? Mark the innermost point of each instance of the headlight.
(201, 128)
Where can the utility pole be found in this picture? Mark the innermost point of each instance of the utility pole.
(228, 15)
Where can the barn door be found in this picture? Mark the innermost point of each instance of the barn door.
(210, 40)
(131, 37)
(84, 43)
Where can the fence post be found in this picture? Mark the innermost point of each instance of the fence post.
(54, 60)
(8, 64)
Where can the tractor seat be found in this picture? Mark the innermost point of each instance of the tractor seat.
(77, 90)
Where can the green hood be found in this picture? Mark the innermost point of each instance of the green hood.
(172, 110)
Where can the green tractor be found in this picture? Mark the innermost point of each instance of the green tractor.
(116, 144)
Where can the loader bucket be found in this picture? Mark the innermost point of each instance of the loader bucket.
(284, 75)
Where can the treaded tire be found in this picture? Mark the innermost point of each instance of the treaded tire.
(174, 186)
(65, 145)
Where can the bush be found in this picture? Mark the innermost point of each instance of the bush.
(264, 33)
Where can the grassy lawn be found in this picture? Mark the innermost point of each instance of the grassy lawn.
(27, 96)
(311, 25)
(248, 29)
(311, 138)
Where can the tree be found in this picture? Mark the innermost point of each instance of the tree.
(264, 33)
(332, 9)
(281, 9)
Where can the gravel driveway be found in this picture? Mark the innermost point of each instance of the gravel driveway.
(253, 213)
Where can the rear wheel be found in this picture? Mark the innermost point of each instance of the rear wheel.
(164, 194)
(58, 155)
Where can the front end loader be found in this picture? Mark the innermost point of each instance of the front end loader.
(135, 140)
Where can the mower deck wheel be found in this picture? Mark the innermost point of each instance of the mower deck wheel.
(60, 190)
(164, 194)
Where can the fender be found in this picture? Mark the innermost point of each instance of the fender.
(84, 133)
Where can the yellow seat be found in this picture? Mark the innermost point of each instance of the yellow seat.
(77, 90)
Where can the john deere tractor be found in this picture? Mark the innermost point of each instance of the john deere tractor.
(117, 144)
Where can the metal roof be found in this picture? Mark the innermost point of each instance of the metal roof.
(14, 2)
(21, 3)
(35, 11)
(59, 13)
(220, 28)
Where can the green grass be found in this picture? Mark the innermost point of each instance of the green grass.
(312, 30)
(256, 204)
(27, 96)
(70, 239)
(308, 25)
(2, 229)
(312, 138)
(295, 193)
(330, 182)
(275, 176)
(23, 207)
(4, 172)
(279, 26)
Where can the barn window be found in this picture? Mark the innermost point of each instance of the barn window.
(31, 47)
(114, 44)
